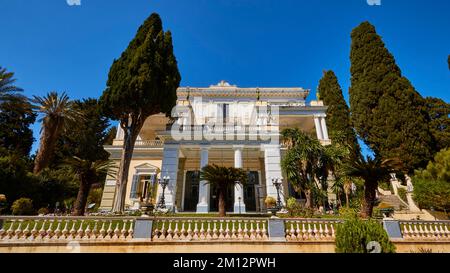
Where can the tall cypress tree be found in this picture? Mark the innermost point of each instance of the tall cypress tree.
(141, 83)
(387, 112)
(338, 113)
(439, 111)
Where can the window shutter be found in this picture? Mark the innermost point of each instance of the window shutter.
(134, 185)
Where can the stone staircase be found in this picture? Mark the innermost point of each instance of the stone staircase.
(394, 201)
(402, 211)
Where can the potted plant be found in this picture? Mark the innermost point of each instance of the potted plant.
(271, 204)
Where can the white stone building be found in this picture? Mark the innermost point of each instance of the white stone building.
(224, 125)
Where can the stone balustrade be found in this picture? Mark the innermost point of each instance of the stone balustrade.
(310, 229)
(36, 229)
(142, 143)
(197, 229)
(30, 229)
(420, 230)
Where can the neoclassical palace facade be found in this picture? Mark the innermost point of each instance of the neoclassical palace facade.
(224, 125)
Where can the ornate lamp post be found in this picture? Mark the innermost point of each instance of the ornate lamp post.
(163, 182)
(277, 182)
(239, 198)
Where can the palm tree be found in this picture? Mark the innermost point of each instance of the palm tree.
(88, 173)
(7, 87)
(57, 113)
(347, 190)
(224, 178)
(371, 171)
(303, 163)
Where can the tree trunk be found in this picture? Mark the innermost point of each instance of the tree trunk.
(47, 142)
(308, 195)
(222, 211)
(130, 136)
(369, 199)
(347, 203)
(80, 203)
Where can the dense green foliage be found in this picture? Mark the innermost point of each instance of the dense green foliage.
(16, 117)
(84, 139)
(354, 236)
(402, 194)
(80, 151)
(438, 112)
(432, 185)
(142, 82)
(87, 173)
(307, 164)
(23, 206)
(338, 114)
(387, 112)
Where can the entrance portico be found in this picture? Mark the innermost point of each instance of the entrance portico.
(261, 162)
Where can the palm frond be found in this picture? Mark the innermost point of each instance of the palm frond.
(55, 108)
(7, 87)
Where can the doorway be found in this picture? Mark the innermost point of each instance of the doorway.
(191, 191)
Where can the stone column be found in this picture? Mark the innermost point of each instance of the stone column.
(170, 168)
(120, 133)
(272, 159)
(203, 194)
(324, 128)
(239, 204)
(318, 127)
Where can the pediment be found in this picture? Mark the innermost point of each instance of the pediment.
(147, 167)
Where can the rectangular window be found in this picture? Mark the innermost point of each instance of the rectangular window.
(147, 187)
(223, 112)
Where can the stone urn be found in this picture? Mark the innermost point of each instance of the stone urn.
(147, 208)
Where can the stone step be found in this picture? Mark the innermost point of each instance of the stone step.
(394, 201)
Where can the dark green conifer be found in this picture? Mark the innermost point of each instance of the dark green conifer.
(338, 114)
(141, 83)
(387, 112)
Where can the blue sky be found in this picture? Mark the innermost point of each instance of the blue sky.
(53, 46)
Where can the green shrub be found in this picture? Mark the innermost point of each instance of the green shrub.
(3, 202)
(385, 186)
(68, 204)
(354, 235)
(293, 207)
(432, 185)
(95, 197)
(22, 206)
(348, 213)
(428, 193)
(43, 211)
(402, 194)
